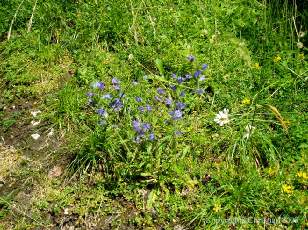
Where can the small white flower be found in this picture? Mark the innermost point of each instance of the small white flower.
(35, 113)
(300, 45)
(249, 129)
(35, 123)
(222, 117)
(301, 34)
(35, 136)
(130, 57)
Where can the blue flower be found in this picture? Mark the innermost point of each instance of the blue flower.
(146, 127)
(202, 78)
(141, 108)
(204, 67)
(90, 94)
(160, 91)
(188, 76)
(173, 87)
(138, 139)
(116, 87)
(137, 126)
(157, 98)
(115, 81)
(168, 101)
(197, 73)
(116, 104)
(180, 80)
(100, 85)
(173, 75)
(182, 94)
(151, 137)
(140, 128)
(101, 112)
(176, 114)
(191, 58)
(107, 96)
(149, 108)
(138, 99)
(200, 91)
(180, 105)
(178, 133)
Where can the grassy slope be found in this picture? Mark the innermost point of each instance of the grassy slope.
(197, 180)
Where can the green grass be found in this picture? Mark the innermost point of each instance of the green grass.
(210, 176)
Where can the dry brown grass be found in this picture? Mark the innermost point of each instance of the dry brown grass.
(10, 159)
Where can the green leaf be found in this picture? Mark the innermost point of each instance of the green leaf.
(160, 66)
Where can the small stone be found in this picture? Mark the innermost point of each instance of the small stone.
(66, 211)
(35, 113)
(35, 136)
(35, 123)
(50, 133)
(56, 171)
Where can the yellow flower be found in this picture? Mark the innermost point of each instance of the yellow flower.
(272, 171)
(287, 188)
(257, 66)
(246, 101)
(301, 56)
(217, 207)
(302, 175)
(277, 59)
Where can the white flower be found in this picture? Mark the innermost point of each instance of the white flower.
(130, 57)
(35, 136)
(222, 117)
(248, 131)
(300, 45)
(301, 34)
(34, 113)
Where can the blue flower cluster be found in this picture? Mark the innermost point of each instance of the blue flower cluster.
(95, 98)
(168, 98)
(142, 129)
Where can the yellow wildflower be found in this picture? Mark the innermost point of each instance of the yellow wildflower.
(257, 66)
(287, 188)
(272, 171)
(277, 59)
(217, 207)
(302, 175)
(301, 56)
(246, 101)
